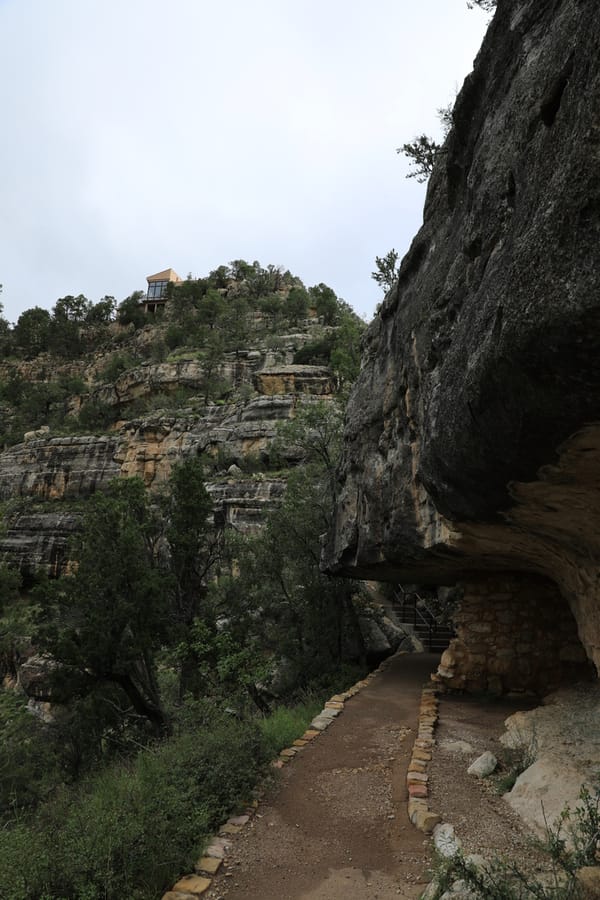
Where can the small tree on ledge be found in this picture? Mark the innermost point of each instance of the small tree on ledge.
(422, 153)
(386, 271)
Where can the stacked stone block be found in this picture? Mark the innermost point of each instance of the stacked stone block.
(417, 779)
(514, 634)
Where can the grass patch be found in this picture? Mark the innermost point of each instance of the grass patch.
(281, 728)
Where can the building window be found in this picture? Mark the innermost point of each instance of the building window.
(157, 290)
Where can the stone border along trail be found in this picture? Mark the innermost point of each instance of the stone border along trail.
(336, 826)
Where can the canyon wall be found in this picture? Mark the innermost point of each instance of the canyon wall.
(43, 480)
(472, 440)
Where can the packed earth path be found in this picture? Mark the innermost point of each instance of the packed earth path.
(336, 826)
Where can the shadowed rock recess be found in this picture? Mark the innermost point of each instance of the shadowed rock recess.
(472, 441)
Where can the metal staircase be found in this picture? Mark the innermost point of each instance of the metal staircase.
(413, 612)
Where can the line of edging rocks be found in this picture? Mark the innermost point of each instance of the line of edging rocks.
(417, 779)
(190, 887)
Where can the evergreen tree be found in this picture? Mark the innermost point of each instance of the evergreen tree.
(32, 331)
(386, 270)
(104, 623)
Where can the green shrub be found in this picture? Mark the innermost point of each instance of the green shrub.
(132, 828)
(29, 756)
(26, 861)
(96, 416)
(116, 365)
(317, 353)
(72, 384)
(176, 336)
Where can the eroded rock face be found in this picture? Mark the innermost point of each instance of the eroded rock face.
(559, 744)
(257, 367)
(58, 468)
(243, 503)
(39, 541)
(149, 447)
(318, 380)
(482, 365)
(72, 468)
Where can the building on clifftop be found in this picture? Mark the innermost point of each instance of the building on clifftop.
(156, 295)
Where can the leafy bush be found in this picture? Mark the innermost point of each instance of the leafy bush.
(131, 312)
(130, 830)
(72, 384)
(96, 416)
(176, 336)
(116, 365)
(316, 353)
(36, 403)
(29, 755)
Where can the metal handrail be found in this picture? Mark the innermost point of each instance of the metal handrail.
(422, 615)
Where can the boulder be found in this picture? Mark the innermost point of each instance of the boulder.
(484, 765)
(445, 840)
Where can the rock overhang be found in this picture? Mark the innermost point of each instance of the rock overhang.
(470, 443)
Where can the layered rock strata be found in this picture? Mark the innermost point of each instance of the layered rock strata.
(150, 379)
(472, 440)
(72, 468)
(56, 468)
(39, 541)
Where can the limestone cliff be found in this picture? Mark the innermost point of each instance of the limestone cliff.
(154, 413)
(472, 441)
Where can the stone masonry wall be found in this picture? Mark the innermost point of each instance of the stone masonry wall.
(514, 634)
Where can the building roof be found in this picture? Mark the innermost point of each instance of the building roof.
(165, 275)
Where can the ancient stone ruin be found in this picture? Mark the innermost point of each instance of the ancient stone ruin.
(472, 450)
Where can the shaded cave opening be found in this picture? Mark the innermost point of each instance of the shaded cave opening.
(515, 635)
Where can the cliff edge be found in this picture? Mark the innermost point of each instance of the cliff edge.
(472, 440)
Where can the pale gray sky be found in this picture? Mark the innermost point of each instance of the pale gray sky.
(142, 134)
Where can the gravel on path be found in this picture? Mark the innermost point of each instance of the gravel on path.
(336, 826)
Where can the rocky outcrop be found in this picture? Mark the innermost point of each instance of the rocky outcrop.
(558, 743)
(243, 504)
(149, 379)
(72, 468)
(38, 541)
(246, 367)
(471, 443)
(58, 468)
(230, 433)
(317, 380)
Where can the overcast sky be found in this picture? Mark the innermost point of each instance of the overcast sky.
(143, 134)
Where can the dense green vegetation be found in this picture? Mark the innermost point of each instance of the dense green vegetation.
(177, 657)
(128, 829)
(168, 675)
(49, 377)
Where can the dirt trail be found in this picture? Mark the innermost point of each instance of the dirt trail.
(336, 826)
